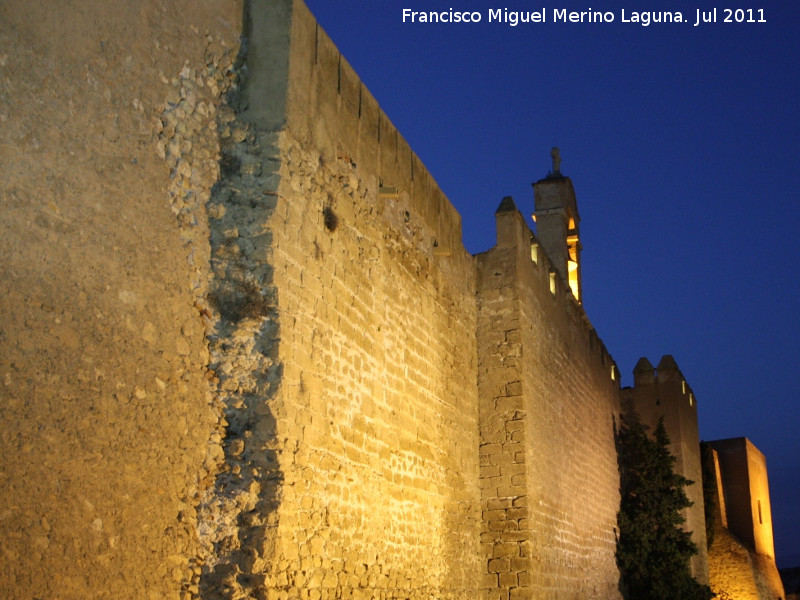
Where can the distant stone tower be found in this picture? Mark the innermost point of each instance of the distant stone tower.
(747, 512)
(742, 556)
(556, 217)
(663, 392)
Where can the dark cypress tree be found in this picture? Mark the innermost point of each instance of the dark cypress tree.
(653, 550)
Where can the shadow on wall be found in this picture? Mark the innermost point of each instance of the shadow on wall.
(791, 582)
(238, 512)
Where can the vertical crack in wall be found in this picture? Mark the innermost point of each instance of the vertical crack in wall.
(238, 513)
(193, 120)
(223, 190)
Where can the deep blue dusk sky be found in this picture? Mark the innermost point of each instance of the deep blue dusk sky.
(683, 144)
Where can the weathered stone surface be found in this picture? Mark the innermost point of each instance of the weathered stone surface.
(244, 348)
(107, 413)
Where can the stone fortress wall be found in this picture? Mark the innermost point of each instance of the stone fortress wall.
(549, 400)
(351, 460)
(109, 430)
(372, 417)
(244, 348)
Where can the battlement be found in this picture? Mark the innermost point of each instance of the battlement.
(513, 232)
(316, 95)
(668, 379)
(662, 392)
(544, 377)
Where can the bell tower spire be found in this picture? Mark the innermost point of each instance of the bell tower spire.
(557, 224)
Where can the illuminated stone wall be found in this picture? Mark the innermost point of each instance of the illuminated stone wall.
(344, 342)
(549, 404)
(109, 430)
(353, 396)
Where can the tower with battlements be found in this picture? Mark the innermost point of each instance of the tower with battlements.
(662, 392)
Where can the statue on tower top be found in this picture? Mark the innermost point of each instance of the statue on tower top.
(555, 153)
